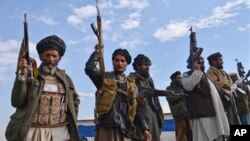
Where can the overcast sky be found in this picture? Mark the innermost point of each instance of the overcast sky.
(155, 28)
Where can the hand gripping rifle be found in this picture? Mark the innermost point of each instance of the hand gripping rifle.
(100, 46)
(241, 72)
(24, 52)
(195, 52)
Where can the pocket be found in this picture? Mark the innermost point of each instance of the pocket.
(106, 95)
(14, 127)
(44, 104)
(109, 84)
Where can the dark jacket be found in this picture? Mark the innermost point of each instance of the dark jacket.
(25, 98)
(177, 103)
(117, 115)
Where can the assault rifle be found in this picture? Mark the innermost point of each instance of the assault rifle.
(148, 92)
(195, 51)
(100, 46)
(24, 52)
(241, 72)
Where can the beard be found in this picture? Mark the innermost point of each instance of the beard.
(144, 73)
(49, 68)
(220, 66)
(178, 83)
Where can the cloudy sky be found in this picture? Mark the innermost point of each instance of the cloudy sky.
(155, 28)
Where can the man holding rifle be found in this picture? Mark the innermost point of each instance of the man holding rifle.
(208, 120)
(178, 107)
(150, 105)
(223, 83)
(116, 100)
(46, 105)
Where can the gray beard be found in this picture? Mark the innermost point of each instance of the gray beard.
(48, 69)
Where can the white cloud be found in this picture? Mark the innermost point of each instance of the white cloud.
(134, 4)
(79, 14)
(244, 28)
(48, 20)
(8, 57)
(133, 43)
(9, 45)
(171, 31)
(130, 24)
(247, 2)
(74, 20)
(220, 15)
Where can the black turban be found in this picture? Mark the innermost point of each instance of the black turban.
(213, 57)
(139, 60)
(52, 42)
(172, 77)
(122, 52)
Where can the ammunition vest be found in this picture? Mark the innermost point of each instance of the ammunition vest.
(52, 108)
(105, 97)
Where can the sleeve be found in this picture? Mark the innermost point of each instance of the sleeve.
(92, 71)
(75, 96)
(140, 121)
(189, 82)
(19, 93)
(173, 98)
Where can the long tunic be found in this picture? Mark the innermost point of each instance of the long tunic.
(207, 128)
(151, 110)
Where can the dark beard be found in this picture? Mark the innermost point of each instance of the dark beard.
(220, 67)
(144, 73)
(178, 83)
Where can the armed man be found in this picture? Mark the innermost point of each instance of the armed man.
(208, 120)
(223, 84)
(47, 105)
(150, 105)
(178, 107)
(116, 100)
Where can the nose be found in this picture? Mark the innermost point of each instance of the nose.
(50, 58)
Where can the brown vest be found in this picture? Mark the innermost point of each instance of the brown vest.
(199, 100)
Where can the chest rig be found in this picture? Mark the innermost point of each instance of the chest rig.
(105, 96)
(52, 106)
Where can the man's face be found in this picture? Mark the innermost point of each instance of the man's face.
(143, 69)
(50, 57)
(177, 80)
(119, 64)
(200, 61)
(218, 63)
